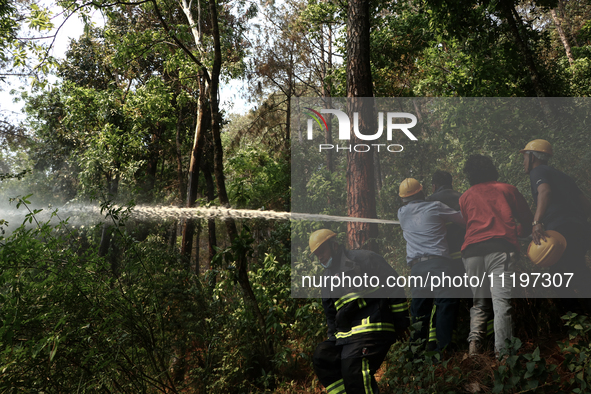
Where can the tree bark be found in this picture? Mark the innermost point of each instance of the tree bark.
(509, 12)
(179, 158)
(568, 24)
(212, 240)
(563, 38)
(152, 164)
(203, 121)
(361, 200)
(327, 94)
(248, 294)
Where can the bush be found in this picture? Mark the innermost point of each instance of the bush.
(70, 325)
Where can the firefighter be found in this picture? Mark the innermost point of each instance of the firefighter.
(560, 206)
(490, 209)
(423, 225)
(362, 321)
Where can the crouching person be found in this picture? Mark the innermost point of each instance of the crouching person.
(363, 321)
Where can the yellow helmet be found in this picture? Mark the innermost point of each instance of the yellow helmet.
(319, 237)
(549, 251)
(538, 146)
(409, 187)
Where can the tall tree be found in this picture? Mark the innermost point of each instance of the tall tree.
(209, 62)
(563, 37)
(361, 200)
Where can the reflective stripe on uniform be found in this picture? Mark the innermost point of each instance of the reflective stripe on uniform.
(432, 334)
(432, 328)
(344, 300)
(456, 255)
(365, 327)
(366, 376)
(399, 307)
(337, 387)
(490, 327)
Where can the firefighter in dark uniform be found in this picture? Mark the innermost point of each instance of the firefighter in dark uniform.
(561, 206)
(363, 321)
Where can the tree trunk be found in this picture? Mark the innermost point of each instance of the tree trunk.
(361, 200)
(172, 236)
(107, 230)
(152, 166)
(567, 25)
(378, 172)
(105, 240)
(287, 139)
(179, 158)
(212, 240)
(563, 38)
(248, 295)
(510, 16)
(196, 248)
(326, 93)
(328, 134)
(203, 120)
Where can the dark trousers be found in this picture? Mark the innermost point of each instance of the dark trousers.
(349, 368)
(444, 299)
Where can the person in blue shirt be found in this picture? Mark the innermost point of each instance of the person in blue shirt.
(423, 225)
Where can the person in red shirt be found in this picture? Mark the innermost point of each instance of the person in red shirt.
(491, 209)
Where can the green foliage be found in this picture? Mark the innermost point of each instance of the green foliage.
(69, 324)
(95, 133)
(412, 370)
(523, 372)
(18, 176)
(23, 56)
(39, 19)
(121, 121)
(293, 326)
(577, 352)
(258, 179)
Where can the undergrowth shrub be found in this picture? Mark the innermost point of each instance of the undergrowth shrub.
(577, 353)
(408, 369)
(411, 369)
(523, 372)
(67, 324)
(292, 328)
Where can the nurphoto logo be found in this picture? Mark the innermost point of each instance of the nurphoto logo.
(345, 129)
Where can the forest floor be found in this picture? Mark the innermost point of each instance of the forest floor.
(477, 372)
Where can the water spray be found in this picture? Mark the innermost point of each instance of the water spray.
(145, 212)
(81, 214)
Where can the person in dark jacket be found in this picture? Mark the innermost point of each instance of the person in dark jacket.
(442, 191)
(363, 321)
(560, 206)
